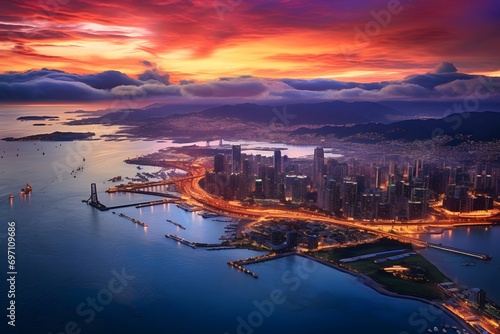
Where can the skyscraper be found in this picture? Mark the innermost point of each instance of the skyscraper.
(277, 173)
(236, 160)
(318, 163)
(277, 161)
(349, 198)
(219, 162)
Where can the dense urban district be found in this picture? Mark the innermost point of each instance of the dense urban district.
(359, 210)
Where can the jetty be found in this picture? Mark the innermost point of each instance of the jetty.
(221, 248)
(133, 220)
(243, 269)
(181, 240)
(480, 256)
(176, 224)
(191, 243)
(238, 264)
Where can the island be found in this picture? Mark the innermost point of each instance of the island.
(37, 118)
(54, 136)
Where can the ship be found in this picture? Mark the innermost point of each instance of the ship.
(26, 190)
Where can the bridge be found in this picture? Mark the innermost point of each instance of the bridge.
(134, 187)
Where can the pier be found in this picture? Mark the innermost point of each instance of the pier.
(141, 204)
(221, 248)
(176, 224)
(133, 220)
(263, 258)
(93, 201)
(190, 243)
(238, 264)
(243, 269)
(152, 193)
(181, 240)
(480, 256)
(153, 203)
(135, 187)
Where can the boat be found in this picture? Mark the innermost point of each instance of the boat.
(26, 190)
(11, 196)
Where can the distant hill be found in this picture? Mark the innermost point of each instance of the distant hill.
(477, 126)
(335, 112)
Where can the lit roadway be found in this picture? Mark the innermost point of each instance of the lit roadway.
(192, 192)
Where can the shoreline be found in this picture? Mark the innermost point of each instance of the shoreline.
(367, 281)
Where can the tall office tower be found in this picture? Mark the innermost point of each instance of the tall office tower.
(219, 162)
(277, 173)
(417, 167)
(266, 174)
(369, 205)
(377, 177)
(236, 161)
(318, 163)
(410, 174)
(289, 180)
(277, 161)
(349, 198)
(330, 197)
(299, 189)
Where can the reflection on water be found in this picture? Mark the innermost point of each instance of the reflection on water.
(67, 252)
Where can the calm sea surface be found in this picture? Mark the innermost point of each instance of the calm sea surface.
(94, 272)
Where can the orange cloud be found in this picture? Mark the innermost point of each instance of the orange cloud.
(364, 41)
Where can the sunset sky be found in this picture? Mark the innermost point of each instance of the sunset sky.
(201, 41)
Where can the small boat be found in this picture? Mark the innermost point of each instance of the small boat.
(26, 190)
(11, 196)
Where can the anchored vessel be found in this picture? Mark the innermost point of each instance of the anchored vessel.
(26, 190)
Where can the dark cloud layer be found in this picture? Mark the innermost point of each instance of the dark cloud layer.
(53, 85)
